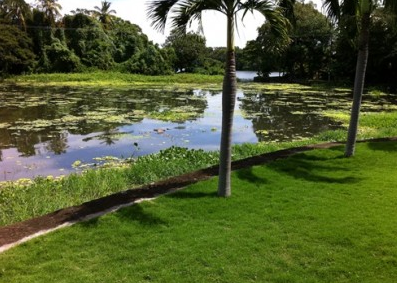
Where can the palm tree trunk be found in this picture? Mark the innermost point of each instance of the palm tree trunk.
(362, 59)
(228, 103)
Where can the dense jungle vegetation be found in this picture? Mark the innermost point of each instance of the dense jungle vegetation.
(39, 40)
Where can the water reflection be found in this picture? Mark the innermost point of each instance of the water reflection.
(282, 117)
(44, 130)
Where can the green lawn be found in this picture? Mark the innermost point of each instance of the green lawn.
(315, 217)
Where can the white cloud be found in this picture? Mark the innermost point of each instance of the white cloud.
(214, 23)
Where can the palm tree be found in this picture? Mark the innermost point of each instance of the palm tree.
(181, 13)
(104, 14)
(361, 11)
(51, 9)
(17, 11)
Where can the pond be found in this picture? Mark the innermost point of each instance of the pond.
(250, 75)
(44, 131)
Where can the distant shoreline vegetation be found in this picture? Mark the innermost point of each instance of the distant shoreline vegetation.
(38, 40)
(117, 79)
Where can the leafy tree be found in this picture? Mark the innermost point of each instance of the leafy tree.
(184, 11)
(189, 49)
(382, 64)
(58, 58)
(268, 51)
(308, 53)
(305, 55)
(15, 12)
(15, 50)
(360, 11)
(87, 39)
(149, 61)
(128, 39)
(104, 14)
(41, 35)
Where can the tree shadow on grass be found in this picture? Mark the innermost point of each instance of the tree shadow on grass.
(192, 195)
(310, 168)
(249, 176)
(90, 223)
(136, 213)
(390, 146)
(133, 213)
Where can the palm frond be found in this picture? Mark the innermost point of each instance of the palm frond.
(158, 11)
(332, 9)
(180, 12)
(287, 7)
(191, 10)
(278, 23)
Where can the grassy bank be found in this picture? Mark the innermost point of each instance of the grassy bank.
(114, 80)
(315, 217)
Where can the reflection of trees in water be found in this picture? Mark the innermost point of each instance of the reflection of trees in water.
(25, 143)
(109, 136)
(278, 117)
(58, 143)
(53, 104)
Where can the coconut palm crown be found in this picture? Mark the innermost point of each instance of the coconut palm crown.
(17, 11)
(181, 13)
(360, 12)
(104, 14)
(51, 9)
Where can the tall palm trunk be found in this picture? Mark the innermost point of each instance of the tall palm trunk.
(362, 59)
(228, 103)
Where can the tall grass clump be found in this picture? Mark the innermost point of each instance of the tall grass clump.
(20, 202)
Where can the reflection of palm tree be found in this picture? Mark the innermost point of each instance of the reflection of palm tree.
(17, 11)
(109, 136)
(51, 9)
(360, 11)
(184, 11)
(104, 14)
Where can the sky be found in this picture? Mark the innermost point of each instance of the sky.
(214, 23)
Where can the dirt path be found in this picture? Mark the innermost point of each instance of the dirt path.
(17, 233)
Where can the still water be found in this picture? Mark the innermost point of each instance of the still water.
(43, 131)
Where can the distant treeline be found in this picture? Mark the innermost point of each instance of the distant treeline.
(38, 39)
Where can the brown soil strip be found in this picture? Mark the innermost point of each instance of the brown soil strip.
(20, 232)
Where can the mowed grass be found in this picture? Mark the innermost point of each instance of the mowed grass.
(314, 217)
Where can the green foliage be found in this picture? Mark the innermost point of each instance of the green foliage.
(94, 47)
(189, 50)
(15, 12)
(58, 58)
(41, 35)
(127, 38)
(16, 56)
(210, 67)
(104, 14)
(305, 56)
(148, 62)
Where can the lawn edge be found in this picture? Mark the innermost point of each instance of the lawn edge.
(18, 233)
